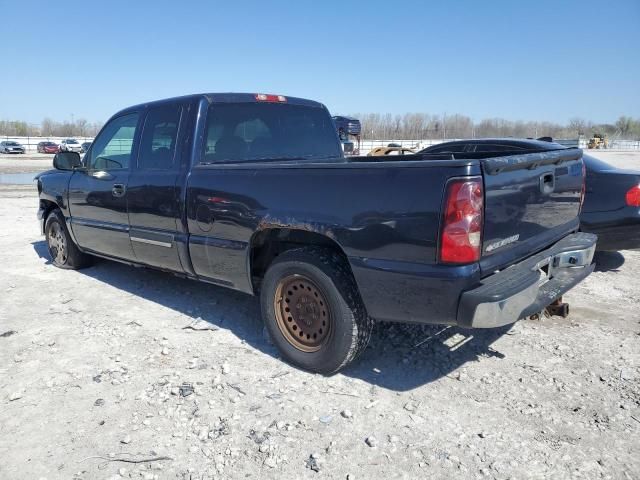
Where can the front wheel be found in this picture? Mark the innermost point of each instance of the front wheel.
(64, 252)
(313, 310)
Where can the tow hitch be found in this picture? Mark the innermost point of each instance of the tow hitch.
(559, 308)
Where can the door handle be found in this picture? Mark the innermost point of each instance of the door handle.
(118, 190)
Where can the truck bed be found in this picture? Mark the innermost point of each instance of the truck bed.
(520, 218)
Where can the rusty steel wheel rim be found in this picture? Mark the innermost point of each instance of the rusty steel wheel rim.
(57, 244)
(302, 313)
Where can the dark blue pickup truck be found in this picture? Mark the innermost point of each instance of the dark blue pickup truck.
(252, 192)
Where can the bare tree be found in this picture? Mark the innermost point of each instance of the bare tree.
(48, 126)
(577, 125)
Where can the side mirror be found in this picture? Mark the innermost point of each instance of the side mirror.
(67, 161)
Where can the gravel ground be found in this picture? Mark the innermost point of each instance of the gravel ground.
(27, 163)
(114, 363)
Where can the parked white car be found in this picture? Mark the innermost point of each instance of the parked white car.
(70, 145)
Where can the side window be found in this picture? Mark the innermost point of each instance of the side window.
(159, 138)
(112, 147)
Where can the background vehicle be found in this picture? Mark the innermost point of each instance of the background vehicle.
(8, 146)
(611, 207)
(252, 192)
(70, 145)
(598, 141)
(390, 150)
(85, 146)
(48, 147)
(349, 130)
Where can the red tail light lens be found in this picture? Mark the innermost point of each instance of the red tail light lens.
(461, 234)
(633, 196)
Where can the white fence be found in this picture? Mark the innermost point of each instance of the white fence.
(31, 143)
(624, 144)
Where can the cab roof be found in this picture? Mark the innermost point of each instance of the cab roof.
(220, 98)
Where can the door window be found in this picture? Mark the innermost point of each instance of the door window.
(112, 147)
(159, 138)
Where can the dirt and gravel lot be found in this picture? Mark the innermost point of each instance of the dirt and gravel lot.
(27, 163)
(112, 365)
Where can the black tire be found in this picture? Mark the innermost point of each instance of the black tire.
(327, 274)
(64, 252)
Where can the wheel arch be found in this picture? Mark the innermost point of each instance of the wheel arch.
(266, 244)
(47, 206)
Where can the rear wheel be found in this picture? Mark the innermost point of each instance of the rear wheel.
(313, 311)
(64, 252)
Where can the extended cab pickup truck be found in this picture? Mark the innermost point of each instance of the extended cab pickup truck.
(253, 192)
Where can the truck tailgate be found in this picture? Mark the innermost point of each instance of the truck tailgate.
(531, 201)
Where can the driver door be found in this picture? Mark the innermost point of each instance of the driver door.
(98, 195)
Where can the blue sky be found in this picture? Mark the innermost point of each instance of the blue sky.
(528, 60)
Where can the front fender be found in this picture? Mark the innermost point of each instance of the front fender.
(53, 188)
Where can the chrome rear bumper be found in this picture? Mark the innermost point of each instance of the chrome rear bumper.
(529, 286)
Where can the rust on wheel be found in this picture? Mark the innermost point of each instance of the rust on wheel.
(57, 243)
(302, 313)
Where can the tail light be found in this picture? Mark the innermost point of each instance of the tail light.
(461, 232)
(584, 185)
(632, 196)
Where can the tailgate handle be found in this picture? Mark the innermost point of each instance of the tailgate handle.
(547, 182)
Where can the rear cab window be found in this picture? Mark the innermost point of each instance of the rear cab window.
(257, 131)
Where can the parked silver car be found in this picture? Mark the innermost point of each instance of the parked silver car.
(70, 145)
(9, 146)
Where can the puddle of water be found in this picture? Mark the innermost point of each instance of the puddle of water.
(17, 178)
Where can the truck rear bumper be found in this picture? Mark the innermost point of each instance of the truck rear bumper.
(529, 286)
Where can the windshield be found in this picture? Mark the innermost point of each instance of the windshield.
(12, 144)
(240, 132)
(72, 141)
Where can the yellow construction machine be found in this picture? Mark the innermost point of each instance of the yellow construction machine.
(598, 140)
